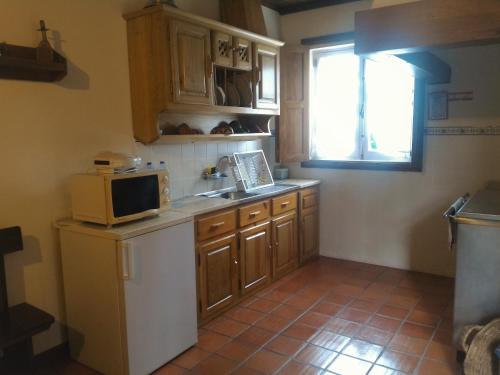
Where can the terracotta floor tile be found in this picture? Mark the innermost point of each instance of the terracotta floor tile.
(398, 361)
(429, 366)
(256, 336)
(414, 330)
(316, 356)
(214, 364)
(407, 292)
(237, 350)
(403, 302)
(357, 281)
(385, 324)
(365, 305)
(354, 315)
(190, 358)
(374, 335)
(338, 298)
(441, 352)
(344, 365)
(300, 331)
(263, 305)
(297, 368)
(248, 301)
(285, 345)
(443, 336)
(266, 362)
(408, 344)
(311, 292)
(170, 370)
(425, 318)
(227, 327)
(273, 323)
(288, 312)
(392, 312)
(301, 302)
(342, 327)
(244, 315)
(379, 370)
(245, 371)
(277, 296)
(327, 308)
(211, 341)
(314, 319)
(363, 350)
(329, 340)
(348, 290)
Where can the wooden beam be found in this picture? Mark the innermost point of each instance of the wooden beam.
(300, 6)
(428, 66)
(427, 24)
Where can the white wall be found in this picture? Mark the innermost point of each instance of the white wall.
(52, 130)
(394, 218)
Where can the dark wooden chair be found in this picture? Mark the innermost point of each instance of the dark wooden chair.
(19, 323)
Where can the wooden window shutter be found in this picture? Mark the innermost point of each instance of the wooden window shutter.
(293, 123)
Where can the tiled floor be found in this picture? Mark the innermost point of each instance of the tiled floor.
(332, 316)
(329, 317)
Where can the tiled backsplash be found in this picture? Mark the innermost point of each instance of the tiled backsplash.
(186, 162)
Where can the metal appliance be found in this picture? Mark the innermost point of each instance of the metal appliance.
(475, 234)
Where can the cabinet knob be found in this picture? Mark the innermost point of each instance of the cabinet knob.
(235, 261)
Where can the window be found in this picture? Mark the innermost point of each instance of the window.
(364, 114)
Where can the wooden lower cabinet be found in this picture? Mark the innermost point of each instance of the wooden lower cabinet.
(254, 256)
(217, 275)
(285, 256)
(239, 255)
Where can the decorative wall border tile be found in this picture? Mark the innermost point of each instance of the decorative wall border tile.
(464, 130)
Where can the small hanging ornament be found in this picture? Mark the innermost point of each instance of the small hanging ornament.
(44, 51)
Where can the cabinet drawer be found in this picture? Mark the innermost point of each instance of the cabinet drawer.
(309, 198)
(284, 203)
(214, 225)
(254, 213)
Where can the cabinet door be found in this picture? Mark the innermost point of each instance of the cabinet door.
(266, 77)
(255, 257)
(222, 49)
(242, 49)
(309, 233)
(285, 256)
(191, 63)
(293, 125)
(218, 284)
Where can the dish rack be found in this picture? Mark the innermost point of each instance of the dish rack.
(250, 170)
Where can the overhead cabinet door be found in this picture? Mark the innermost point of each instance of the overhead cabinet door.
(191, 63)
(266, 77)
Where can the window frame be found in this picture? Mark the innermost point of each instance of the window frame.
(416, 163)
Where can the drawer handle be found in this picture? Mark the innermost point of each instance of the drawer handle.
(217, 225)
(284, 204)
(253, 214)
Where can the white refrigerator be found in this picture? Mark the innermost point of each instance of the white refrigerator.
(130, 295)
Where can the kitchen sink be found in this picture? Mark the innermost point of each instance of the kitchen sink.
(235, 195)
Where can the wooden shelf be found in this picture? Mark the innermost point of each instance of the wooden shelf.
(171, 139)
(19, 62)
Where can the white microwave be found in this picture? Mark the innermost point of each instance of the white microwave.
(118, 198)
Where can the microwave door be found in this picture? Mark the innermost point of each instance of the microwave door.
(131, 196)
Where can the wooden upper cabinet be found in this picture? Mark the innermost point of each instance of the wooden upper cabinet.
(255, 257)
(285, 254)
(242, 52)
(222, 49)
(218, 283)
(266, 77)
(293, 127)
(191, 63)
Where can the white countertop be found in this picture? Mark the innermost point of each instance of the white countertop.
(181, 211)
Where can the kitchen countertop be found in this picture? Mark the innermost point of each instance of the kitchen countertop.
(181, 211)
(199, 205)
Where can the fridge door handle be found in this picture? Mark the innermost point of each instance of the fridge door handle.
(127, 261)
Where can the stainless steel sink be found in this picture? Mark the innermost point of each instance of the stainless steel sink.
(235, 195)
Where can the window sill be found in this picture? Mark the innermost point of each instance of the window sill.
(364, 165)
